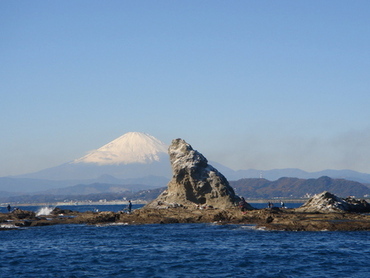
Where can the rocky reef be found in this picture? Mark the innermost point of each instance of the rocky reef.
(328, 202)
(268, 219)
(194, 182)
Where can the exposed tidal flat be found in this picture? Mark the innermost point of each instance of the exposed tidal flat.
(282, 219)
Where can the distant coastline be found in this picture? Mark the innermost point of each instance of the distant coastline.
(82, 203)
(142, 202)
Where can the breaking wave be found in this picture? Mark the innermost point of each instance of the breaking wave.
(44, 211)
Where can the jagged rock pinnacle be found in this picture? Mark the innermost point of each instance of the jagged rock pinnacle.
(194, 181)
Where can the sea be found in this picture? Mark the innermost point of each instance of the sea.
(179, 250)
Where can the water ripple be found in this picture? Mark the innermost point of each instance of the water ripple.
(181, 250)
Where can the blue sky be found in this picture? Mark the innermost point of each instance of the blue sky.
(250, 84)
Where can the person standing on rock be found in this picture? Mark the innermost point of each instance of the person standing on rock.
(129, 206)
(9, 208)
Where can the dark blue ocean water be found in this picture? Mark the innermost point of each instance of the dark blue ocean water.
(180, 250)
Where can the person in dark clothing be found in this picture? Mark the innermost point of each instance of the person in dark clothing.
(9, 208)
(129, 206)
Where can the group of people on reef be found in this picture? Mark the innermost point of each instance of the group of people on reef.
(9, 208)
(243, 205)
(271, 205)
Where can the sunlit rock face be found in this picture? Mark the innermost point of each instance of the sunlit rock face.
(194, 181)
(328, 202)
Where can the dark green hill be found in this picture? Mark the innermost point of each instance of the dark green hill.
(297, 188)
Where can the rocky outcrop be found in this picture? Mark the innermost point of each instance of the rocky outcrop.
(328, 202)
(23, 214)
(97, 217)
(194, 182)
(269, 219)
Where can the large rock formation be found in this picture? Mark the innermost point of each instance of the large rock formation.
(194, 181)
(328, 202)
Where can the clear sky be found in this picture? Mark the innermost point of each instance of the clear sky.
(250, 84)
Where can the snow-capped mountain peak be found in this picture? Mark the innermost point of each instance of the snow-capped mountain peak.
(132, 147)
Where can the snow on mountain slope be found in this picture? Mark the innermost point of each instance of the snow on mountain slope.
(132, 147)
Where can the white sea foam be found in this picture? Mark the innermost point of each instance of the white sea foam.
(44, 211)
(249, 227)
(111, 224)
(8, 226)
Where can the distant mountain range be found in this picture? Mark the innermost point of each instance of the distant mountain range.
(132, 155)
(292, 172)
(10, 186)
(99, 195)
(249, 188)
(298, 188)
(136, 161)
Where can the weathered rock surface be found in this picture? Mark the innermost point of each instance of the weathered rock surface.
(293, 220)
(328, 202)
(194, 181)
(23, 214)
(269, 219)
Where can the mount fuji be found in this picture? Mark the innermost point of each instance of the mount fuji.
(132, 147)
(132, 155)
